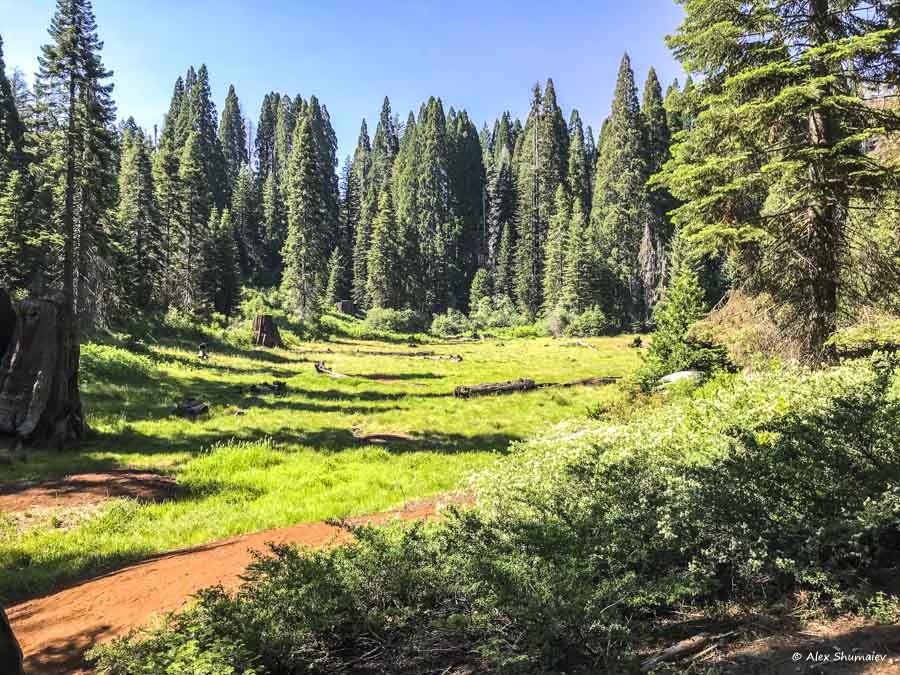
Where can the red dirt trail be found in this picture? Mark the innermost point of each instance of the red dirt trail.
(56, 630)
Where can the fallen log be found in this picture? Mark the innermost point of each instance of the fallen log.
(467, 391)
(586, 382)
(191, 408)
(265, 332)
(415, 355)
(322, 369)
(683, 649)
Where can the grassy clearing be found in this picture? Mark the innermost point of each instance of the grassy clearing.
(263, 461)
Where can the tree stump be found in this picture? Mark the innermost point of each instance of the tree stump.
(40, 402)
(265, 332)
(344, 307)
(10, 652)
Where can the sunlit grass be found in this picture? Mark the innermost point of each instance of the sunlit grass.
(261, 461)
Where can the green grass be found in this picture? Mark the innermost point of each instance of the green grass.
(286, 459)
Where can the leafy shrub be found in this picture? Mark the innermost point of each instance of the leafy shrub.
(496, 312)
(746, 488)
(393, 320)
(451, 322)
(673, 348)
(591, 322)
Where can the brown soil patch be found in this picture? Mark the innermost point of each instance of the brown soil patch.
(57, 629)
(849, 645)
(86, 488)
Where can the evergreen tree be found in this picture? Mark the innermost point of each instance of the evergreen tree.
(203, 122)
(577, 293)
(337, 275)
(305, 251)
(285, 124)
(468, 206)
(555, 251)
(221, 275)
(194, 218)
(76, 141)
(405, 186)
(14, 228)
(385, 260)
(579, 172)
(784, 114)
(590, 152)
(247, 227)
(265, 135)
(274, 229)
(482, 287)
(620, 210)
(356, 193)
(137, 228)
(657, 228)
(542, 159)
(504, 275)
(12, 129)
(233, 138)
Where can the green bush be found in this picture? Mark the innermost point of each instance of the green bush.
(393, 320)
(746, 488)
(451, 322)
(496, 312)
(591, 322)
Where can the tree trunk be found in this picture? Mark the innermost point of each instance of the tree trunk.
(10, 652)
(494, 388)
(40, 401)
(265, 332)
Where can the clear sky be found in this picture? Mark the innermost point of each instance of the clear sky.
(479, 55)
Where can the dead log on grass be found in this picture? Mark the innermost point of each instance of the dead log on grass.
(265, 332)
(468, 391)
(40, 401)
(434, 356)
(191, 408)
(322, 369)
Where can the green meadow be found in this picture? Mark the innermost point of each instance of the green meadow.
(259, 460)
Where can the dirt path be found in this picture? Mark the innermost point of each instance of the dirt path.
(57, 629)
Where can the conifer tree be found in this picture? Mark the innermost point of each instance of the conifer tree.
(273, 228)
(657, 228)
(285, 123)
(233, 138)
(501, 219)
(337, 274)
(14, 228)
(577, 293)
(784, 114)
(221, 276)
(76, 141)
(265, 135)
(405, 185)
(385, 254)
(620, 210)
(357, 191)
(246, 218)
(579, 173)
(555, 251)
(468, 206)
(12, 129)
(137, 227)
(304, 252)
(194, 218)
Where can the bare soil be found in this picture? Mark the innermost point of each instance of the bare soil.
(87, 488)
(56, 630)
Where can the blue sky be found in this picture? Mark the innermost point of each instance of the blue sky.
(481, 56)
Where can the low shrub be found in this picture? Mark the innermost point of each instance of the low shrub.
(452, 322)
(591, 322)
(393, 320)
(743, 489)
(497, 311)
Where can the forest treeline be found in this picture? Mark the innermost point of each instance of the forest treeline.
(768, 173)
(185, 216)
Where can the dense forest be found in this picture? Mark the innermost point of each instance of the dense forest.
(763, 180)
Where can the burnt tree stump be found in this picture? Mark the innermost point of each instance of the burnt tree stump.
(10, 652)
(40, 402)
(265, 332)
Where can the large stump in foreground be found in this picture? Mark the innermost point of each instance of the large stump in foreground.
(10, 652)
(40, 402)
(265, 332)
